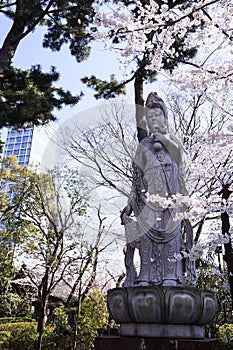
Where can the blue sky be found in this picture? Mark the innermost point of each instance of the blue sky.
(101, 63)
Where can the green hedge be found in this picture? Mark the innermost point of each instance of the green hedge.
(24, 336)
(18, 336)
(15, 319)
(225, 332)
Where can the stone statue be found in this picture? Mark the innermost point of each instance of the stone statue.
(158, 176)
(159, 300)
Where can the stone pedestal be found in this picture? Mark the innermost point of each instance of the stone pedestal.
(162, 312)
(162, 330)
(128, 343)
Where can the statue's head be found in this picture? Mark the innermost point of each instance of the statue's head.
(156, 113)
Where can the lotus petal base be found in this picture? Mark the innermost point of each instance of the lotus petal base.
(163, 312)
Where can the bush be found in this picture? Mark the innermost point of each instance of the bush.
(91, 321)
(4, 339)
(26, 337)
(18, 336)
(15, 319)
(8, 304)
(225, 333)
(59, 335)
(19, 333)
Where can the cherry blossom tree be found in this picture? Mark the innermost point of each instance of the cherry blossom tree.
(207, 135)
(147, 35)
(155, 36)
(106, 152)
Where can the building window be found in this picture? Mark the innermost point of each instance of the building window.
(18, 142)
(17, 146)
(13, 133)
(23, 151)
(28, 131)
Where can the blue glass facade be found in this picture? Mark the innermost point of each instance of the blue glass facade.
(19, 143)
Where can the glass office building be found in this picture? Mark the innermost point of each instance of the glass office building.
(19, 143)
(36, 145)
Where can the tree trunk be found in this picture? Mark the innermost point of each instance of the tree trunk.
(13, 37)
(77, 317)
(43, 307)
(228, 256)
(139, 105)
(199, 230)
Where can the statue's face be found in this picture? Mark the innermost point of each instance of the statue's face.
(156, 120)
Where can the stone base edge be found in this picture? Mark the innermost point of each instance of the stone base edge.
(134, 343)
(162, 330)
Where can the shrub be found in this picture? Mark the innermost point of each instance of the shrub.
(18, 336)
(225, 332)
(4, 339)
(8, 304)
(59, 335)
(25, 338)
(93, 318)
(15, 319)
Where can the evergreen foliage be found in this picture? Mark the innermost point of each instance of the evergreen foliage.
(29, 96)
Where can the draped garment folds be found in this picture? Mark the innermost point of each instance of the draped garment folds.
(158, 170)
(155, 172)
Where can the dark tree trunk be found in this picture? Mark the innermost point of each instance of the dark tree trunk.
(13, 37)
(139, 105)
(21, 27)
(42, 308)
(199, 230)
(228, 256)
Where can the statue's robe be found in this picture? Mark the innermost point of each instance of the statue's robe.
(155, 172)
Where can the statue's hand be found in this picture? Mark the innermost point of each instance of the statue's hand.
(163, 138)
(171, 145)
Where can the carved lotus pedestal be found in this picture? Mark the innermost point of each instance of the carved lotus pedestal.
(162, 312)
